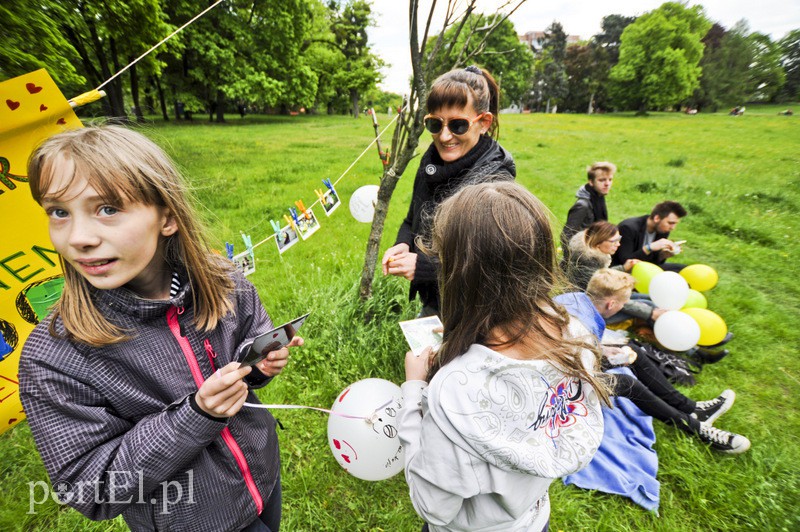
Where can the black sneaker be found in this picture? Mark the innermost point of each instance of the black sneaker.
(703, 356)
(722, 440)
(709, 411)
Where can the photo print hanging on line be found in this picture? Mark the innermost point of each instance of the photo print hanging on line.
(286, 236)
(329, 199)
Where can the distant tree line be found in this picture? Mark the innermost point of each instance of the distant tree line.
(671, 57)
(284, 55)
(276, 56)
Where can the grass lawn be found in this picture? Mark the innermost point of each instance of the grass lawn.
(739, 177)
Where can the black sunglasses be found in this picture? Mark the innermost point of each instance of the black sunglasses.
(457, 126)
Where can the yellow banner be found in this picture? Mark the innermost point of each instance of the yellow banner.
(32, 108)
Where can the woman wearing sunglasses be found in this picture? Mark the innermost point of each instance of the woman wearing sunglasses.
(462, 119)
(591, 250)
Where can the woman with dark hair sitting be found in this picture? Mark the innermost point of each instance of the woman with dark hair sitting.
(591, 250)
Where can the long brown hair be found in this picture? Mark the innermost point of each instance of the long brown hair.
(123, 165)
(599, 232)
(498, 271)
(455, 88)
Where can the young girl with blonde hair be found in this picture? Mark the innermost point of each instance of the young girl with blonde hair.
(132, 385)
(511, 400)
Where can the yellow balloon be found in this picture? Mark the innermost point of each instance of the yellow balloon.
(696, 300)
(644, 272)
(712, 326)
(700, 277)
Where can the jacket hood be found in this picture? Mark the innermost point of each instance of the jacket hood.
(581, 252)
(583, 193)
(523, 416)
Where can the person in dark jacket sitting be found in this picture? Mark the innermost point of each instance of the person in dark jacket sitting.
(590, 205)
(462, 118)
(647, 237)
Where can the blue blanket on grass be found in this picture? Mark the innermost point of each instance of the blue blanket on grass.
(625, 464)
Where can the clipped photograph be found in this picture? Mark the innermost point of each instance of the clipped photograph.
(330, 201)
(286, 238)
(307, 225)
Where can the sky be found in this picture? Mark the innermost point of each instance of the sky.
(389, 39)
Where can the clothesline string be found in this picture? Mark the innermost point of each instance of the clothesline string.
(162, 41)
(377, 137)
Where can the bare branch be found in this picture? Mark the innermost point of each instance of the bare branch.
(482, 45)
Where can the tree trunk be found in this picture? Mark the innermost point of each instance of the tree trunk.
(137, 107)
(354, 100)
(590, 110)
(220, 106)
(547, 109)
(161, 99)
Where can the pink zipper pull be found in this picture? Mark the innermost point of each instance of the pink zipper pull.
(211, 353)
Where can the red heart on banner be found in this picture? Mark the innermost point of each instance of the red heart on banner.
(12, 420)
(12, 104)
(42, 108)
(32, 88)
(61, 122)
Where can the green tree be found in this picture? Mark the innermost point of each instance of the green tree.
(32, 41)
(765, 74)
(97, 39)
(586, 66)
(361, 67)
(659, 58)
(790, 59)
(609, 39)
(552, 80)
(247, 52)
(726, 60)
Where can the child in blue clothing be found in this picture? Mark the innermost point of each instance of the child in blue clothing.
(132, 385)
(607, 292)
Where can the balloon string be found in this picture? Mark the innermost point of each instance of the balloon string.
(365, 418)
(252, 405)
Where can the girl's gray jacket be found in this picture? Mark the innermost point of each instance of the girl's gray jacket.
(116, 428)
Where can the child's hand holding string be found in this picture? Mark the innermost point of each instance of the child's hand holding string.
(223, 394)
(277, 360)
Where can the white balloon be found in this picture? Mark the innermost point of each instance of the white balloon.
(675, 332)
(367, 446)
(362, 203)
(669, 290)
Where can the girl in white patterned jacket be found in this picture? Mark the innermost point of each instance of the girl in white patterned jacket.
(510, 401)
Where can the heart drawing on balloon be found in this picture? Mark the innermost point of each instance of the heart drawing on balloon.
(32, 88)
(42, 108)
(61, 122)
(12, 104)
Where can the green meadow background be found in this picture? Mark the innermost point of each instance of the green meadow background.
(739, 178)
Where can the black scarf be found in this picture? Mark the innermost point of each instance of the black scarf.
(435, 172)
(598, 202)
